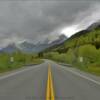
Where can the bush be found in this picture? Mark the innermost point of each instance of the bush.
(70, 57)
(89, 53)
(20, 59)
(64, 57)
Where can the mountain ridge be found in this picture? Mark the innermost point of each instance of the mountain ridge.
(28, 47)
(90, 35)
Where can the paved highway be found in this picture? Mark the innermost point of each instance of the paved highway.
(31, 83)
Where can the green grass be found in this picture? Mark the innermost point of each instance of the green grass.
(20, 60)
(92, 68)
(91, 58)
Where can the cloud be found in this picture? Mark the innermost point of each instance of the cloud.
(33, 20)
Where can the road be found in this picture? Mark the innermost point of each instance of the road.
(30, 84)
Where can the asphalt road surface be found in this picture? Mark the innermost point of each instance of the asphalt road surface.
(30, 84)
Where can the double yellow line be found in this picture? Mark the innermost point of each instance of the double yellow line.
(50, 89)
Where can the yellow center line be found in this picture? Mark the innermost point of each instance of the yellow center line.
(50, 89)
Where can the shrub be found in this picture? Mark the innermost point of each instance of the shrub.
(70, 57)
(89, 53)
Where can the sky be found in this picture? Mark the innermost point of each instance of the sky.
(34, 20)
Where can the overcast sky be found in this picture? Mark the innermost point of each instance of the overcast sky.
(33, 20)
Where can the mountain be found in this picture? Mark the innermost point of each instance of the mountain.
(10, 48)
(94, 26)
(91, 35)
(78, 34)
(28, 47)
(41, 46)
(62, 38)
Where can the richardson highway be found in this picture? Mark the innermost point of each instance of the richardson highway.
(49, 81)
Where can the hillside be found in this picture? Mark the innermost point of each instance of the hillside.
(81, 50)
(89, 36)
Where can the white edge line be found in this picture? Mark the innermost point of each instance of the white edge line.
(82, 76)
(17, 72)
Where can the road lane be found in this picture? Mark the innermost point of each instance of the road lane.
(50, 94)
(69, 86)
(28, 85)
(31, 84)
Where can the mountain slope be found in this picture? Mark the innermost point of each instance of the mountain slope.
(89, 36)
(82, 50)
(10, 48)
(28, 47)
(41, 46)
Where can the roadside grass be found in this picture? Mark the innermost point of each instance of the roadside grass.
(90, 63)
(90, 68)
(94, 70)
(20, 60)
(81, 51)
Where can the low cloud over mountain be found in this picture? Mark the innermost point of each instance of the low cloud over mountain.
(33, 20)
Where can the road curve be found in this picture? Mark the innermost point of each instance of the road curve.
(30, 84)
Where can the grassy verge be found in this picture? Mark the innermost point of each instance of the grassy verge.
(92, 68)
(12, 66)
(90, 62)
(19, 60)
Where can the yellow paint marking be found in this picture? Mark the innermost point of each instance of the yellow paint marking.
(50, 89)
